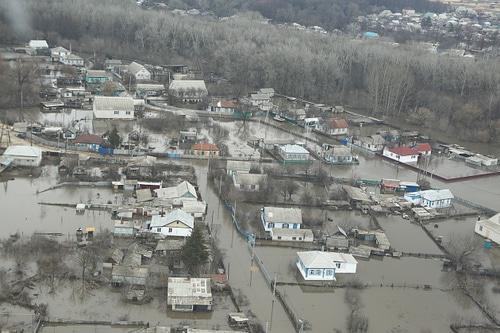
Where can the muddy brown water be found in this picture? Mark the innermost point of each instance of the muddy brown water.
(406, 309)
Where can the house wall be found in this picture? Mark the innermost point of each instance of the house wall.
(293, 157)
(401, 158)
(25, 161)
(437, 203)
(143, 74)
(296, 238)
(119, 231)
(316, 274)
(172, 231)
(205, 153)
(338, 131)
(113, 114)
(96, 79)
(487, 232)
(277, 225)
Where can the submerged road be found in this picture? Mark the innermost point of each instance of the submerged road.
(237, 258)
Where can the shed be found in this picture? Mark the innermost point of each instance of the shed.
(189, 294)
(25, 156)
(292, 235)
(129, 275)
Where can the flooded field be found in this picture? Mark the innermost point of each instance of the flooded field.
(85, 329)
(407, 237)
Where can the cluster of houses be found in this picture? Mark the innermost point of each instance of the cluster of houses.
(464, 24)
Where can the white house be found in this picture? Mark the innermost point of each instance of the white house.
(278, 217)
(292, 235)
(407, 154)
(323, 266)
(249, 182)
(59, 53)
(431, 198)
(192, 91)
(113, 107)
(338, 154)
(176, 223)
(27, 156)
(489, 228)
(73, 60)
(401, 154)
(293, 153)
(34, 46)
(337, 127)
(139, 72)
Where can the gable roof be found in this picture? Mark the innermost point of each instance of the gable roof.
(423, 147)
(38, 44)
(404, 151)
(205, 147)
(89, 139)
(293, 149)
(188, 84)
(173, 216)
(177, 191)
(26, 151)
(282, 215)
(113, 103)
(434, 195)
(97, 73)
(318, 259)
(338, 123)
(135, 68)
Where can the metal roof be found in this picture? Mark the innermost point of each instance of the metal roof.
(188, 84)
(306, 233)
(249, 178)
(178, 191)
(184, 290)
(318, 259)
(113, 103)
(173, 216)
(294, 149)
(282, 215)
(22, 151)
(135, 68)
(434, 195)
(38, 44)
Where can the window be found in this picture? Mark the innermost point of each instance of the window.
(127, 112)
(480, 228)
(158, 229)
(285, 225)
(294, 238)
(252, 187)
(300, 238)
(279, 237)
(270, 225)
(169, 229)
(337, 264)
(116, 112)
(329, 272)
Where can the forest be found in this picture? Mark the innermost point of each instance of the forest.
(453, 95)
(329, 14)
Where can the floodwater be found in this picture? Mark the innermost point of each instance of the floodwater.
(407, 237)
(21, 211)
(86, 329)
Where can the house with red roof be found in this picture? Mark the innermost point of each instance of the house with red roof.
(337, 127)
(221, 105)
(205, 149)
(407, 154)
(89, 141)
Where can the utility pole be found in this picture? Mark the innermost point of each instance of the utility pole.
(272, 302)
(251, 263)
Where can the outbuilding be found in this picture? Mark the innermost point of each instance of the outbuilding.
(113, 107)
(490, 228)
(26, 156)
(189, 294)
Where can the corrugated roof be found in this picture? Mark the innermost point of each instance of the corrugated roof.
(89, 139)
(338, 123)
(113, 103)
(283, 215)
(404, 151)
(188, 84)
(205, 147)
(318, 259)
(22, 151)
(135, 68)
(294, 149)
(433, 195)
(38, 44)
(173, 216)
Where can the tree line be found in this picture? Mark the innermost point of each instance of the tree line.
(449, 94)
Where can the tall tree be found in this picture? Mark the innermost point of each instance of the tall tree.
(195, 251)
